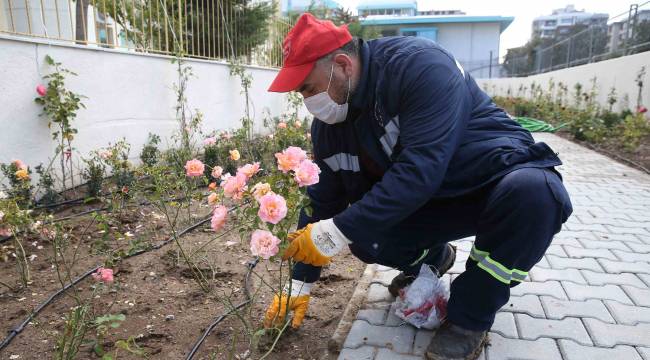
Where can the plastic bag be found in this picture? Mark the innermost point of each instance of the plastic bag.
(424, 302)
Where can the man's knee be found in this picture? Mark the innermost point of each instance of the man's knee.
(538, 192)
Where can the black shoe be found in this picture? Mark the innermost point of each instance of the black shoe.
(451, 342)
(402, 280)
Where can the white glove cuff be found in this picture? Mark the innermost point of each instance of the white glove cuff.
(299, 288)
(327, 238)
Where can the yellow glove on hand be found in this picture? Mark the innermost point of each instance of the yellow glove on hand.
(278, 310)
(302, 248)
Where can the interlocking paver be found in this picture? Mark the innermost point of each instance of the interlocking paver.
(372, 316)
(422, 340)
(571, 263)
(596, 278)
(378, 292)
(574, 351)
(540, 274)
(556, 250)
(645, 352)
(640, 248)
(627, 230)
(569, 328)
(559, 309)
(504, 324)
(645, 278)
(606, 244)
(608, 335)
(505, 348)
(385, 277)
(631, 257)
(628, 314)
(622, 267)
(606, 292)
(398, 338)
(527, 304)
(641, 297)
(386, 354)
(550, 288)
(575, 252)
(362, 353)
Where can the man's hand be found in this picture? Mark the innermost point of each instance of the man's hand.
(302, 248)
(298, 303)
(316, 243)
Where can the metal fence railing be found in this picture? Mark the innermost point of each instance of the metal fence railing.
(624, 34)
(242, 30)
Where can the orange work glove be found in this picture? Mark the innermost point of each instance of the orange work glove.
(302, 248)
(277, 311)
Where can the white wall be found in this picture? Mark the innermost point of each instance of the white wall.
(128, 95)
(471, 45)
(619, 73)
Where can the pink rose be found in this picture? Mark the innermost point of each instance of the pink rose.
(5, 232)
(19, 164)
(218, 217)
(234, 186)
(194, 168)
(264, 244)
(213, 198)
(209, 141)
(261, 189)
(216, 172)
(273, 208)
(297, 124)
(103, 275)
(307, 173)
(290, 158)
(105, 154)
(41, 89)
(249, 169)
(226, 135)
(282, 125)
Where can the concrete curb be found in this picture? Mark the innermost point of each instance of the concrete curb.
(335, 343)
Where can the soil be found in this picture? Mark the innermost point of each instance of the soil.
(166, 311)
(639, 158)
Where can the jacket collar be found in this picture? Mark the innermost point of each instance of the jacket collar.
(361, 98)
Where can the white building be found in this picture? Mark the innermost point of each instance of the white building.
(560, 20)
(617, 30)
(474, 40)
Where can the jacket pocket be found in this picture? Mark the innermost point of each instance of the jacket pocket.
(559, 192)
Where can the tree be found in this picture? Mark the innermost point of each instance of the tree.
(200, 28)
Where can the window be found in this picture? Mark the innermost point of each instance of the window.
(566, 21)
(550, 22)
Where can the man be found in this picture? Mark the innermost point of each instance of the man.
(414, 155)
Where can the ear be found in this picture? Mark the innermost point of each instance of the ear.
(345, 62)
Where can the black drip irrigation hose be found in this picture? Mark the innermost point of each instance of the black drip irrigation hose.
(251, 265)
(18, 329)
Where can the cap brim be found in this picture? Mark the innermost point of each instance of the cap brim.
(289, 78)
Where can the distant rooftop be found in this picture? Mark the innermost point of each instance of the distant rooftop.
(505, 21)
(387, 4)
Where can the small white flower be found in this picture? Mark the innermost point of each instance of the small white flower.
(3, 195)
(2, 215)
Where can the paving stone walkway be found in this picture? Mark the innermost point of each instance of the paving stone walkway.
(589, 297)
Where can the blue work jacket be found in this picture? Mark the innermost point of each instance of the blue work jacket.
(418, 129)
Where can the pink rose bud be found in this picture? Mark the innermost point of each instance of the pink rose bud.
(218, 217)
(41, 90)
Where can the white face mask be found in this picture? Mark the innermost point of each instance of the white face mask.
(324, 108)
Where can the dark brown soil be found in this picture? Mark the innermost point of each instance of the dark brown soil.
(166, 311)
(639, 158)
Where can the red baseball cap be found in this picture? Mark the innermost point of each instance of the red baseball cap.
(308, 40)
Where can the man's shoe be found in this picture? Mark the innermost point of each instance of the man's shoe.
(451, 342)
(402, 280)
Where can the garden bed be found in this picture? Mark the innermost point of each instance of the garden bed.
(166, 312)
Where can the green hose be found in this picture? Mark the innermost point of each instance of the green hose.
(534, 125)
